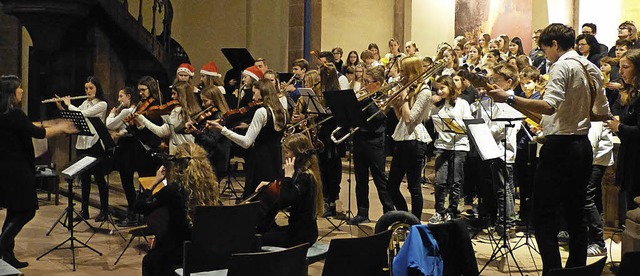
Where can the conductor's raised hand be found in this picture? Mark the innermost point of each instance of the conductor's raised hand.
(67, 127)
(496, 93)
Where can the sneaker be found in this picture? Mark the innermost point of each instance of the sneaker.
(357, 220)
(563, 238)
(448, 217)
(594, 250)
(436, 218)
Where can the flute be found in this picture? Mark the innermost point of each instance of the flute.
(53, 100)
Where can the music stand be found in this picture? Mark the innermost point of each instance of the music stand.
(77, 168)
(109, 149)
(240, 59)
(345, 108)
(501, 112)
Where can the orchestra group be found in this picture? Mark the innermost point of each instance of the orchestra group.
(574, 101)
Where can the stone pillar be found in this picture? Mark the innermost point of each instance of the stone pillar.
(631, 234)
(296, 31)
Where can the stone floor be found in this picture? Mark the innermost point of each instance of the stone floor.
(33, 242)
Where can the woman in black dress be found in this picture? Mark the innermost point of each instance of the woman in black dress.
(17, 163)
(264, 136)
(627, 128)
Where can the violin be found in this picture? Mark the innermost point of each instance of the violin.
(157, 111)
(267, 195)
(201, 117)
(140, 108)
(234, 116)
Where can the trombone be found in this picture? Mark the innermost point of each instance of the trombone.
(383, 102)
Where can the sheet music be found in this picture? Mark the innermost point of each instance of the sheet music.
(497, 111)
(486, 145)
(40, 146)
(78, 166)
(313, 104)
(444, 124)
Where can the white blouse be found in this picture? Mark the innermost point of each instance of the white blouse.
(415, 130)
(171, 123)
(93, 108)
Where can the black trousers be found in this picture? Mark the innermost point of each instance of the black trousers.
(98, 174)
(13, 223)
(561, 183)
(331, 173)
(593, 215)
(131, 157)
(408, 159)
(368, 155)
(161, 260)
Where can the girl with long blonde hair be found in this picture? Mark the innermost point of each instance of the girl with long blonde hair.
(190, 182)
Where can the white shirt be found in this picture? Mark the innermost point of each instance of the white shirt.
(567, 91)
(602, 144)
(453, 141)
(93, 108)
(115, 123)
(344, 82)
(420, 111)
(258, 122)
(168, 128)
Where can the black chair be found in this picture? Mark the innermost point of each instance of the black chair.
(218, 232)
(630, 264)
(291, 261)
(594, 269)
(358, 256)
(455, 247)
(136, 232)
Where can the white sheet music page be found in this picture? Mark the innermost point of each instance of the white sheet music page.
(486, 145)
(78, 165)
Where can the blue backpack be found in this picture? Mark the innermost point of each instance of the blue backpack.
(419, 254)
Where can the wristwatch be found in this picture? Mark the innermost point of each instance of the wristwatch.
(511, 100)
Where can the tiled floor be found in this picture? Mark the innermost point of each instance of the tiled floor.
(33, 242)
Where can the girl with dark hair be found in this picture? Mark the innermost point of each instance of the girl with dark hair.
(374, 50)
(93, 106)
(589, 47)
(17, 163)
(263, 161)
(353, 59)
(301, 189)
(515, 47)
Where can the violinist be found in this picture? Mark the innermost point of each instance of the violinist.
(301, 189)
(263, 136)
(138, 143)
(93, 106)
(249, 76)
(173, 127)
(217, 146)
(272, 76)
(209, 76)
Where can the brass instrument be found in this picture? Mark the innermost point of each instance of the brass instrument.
(387, 98)
(283, 86)
(53, 100)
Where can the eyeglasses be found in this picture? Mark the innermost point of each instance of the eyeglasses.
(367, 81)
(336, 53)
(624, 28)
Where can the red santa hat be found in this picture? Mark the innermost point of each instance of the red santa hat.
(186, 68)
(210, 69)
(253, 72)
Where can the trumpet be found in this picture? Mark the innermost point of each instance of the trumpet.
(387, 98)
(53, 100)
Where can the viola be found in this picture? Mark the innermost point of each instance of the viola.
(234, 116)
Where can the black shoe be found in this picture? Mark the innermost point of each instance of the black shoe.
(128, 222)
(82, 216)
(11, 259)
(358, 219)
(329, 211)
(103, 216)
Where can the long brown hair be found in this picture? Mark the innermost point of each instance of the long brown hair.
(270, 99)
(214, 93)
(329, 78)
(411, 68)
(630, 90)
(193, 172)
(8, 86)
(152, 85)
(186, 99)
(306, 162)
(448, 82)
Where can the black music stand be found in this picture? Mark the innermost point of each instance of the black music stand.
(345, 108)
(81, 124)
(107, 164)
(501, 112)
(240, 59)
(77, 168)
